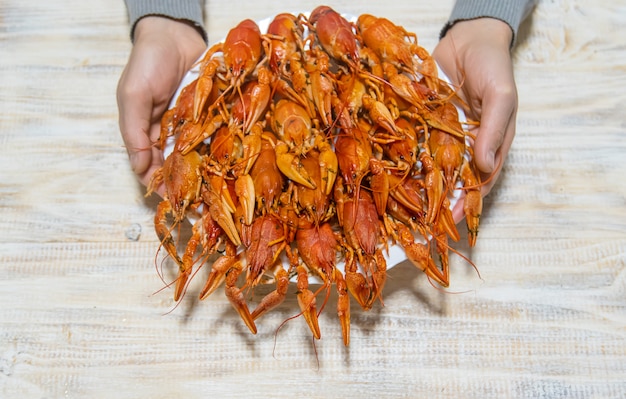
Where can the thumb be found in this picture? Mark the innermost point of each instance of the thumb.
(135, 111)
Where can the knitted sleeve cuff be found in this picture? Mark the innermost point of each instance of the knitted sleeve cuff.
(187, 10)
(512, 12)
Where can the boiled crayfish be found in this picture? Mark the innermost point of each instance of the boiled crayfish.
(308, 150)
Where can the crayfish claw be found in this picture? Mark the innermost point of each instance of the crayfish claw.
(473, 203)
(218, 271)
(356, 283)
(433, 183)
(379, 277)
(446, 118)
(274, 298)
(329, 165)
(306, 300)
(236, 297)
(419, 255)
(343, 306)
(446, 221)
(204, 86)
(163, 232)
(472, 208)
(222, 216)
(291, 166)
(244, 188)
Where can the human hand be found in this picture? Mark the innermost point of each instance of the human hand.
(164, 50)
(475, 54)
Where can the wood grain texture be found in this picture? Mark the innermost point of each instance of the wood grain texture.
(83, 314)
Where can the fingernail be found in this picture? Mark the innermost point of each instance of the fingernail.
(132, 157)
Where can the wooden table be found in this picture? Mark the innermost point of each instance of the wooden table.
(83, 312)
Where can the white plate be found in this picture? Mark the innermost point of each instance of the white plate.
(396, 254)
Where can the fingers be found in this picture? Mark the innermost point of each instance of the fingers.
(497, 126)
(497, 130)
(494, 137)
(135, 110)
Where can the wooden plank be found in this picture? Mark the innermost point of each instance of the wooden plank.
(85, 313)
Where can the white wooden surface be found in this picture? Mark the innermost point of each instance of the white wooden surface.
(81, 313)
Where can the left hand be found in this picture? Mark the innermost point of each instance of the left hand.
(164, 50)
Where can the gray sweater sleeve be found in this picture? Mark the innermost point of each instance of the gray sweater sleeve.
(187, 10)
(512, 12)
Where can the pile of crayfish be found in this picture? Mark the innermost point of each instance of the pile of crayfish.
(308, 150)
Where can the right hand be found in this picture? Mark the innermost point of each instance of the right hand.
(476, 53)
(164, 50)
